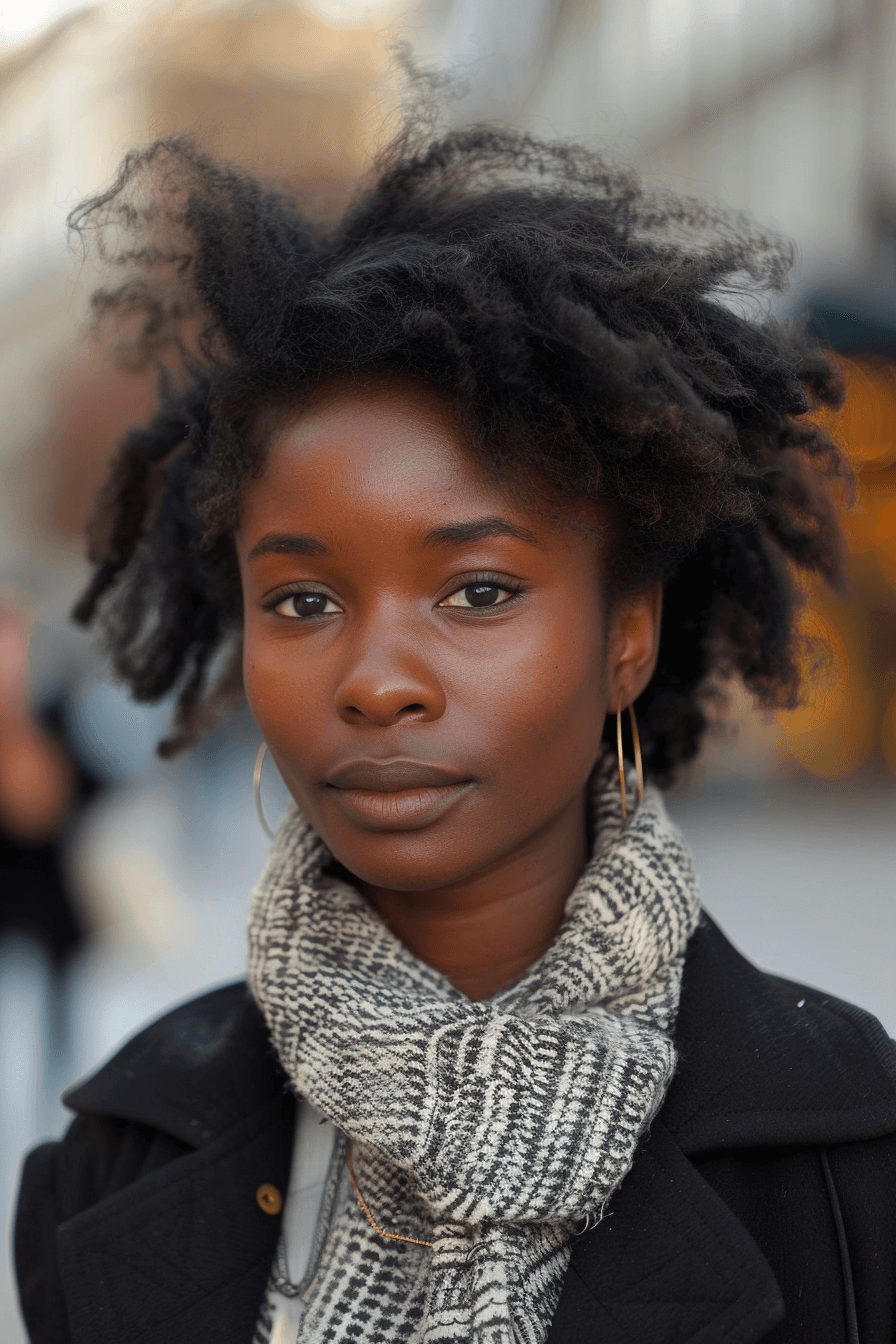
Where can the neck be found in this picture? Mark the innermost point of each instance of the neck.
(483, 932)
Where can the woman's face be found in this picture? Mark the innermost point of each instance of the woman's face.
(427, 657)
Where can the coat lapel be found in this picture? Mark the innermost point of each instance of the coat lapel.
(183, 1254)
(669, 1263)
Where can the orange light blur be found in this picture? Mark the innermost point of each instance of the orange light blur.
(848, 649)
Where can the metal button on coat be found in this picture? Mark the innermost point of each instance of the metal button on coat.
(269, 1198)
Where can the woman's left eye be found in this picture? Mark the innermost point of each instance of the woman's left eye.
(479, 595)
(305, 605)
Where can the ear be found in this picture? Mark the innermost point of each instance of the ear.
(634, 642)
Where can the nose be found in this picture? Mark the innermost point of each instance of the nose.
(389, 680)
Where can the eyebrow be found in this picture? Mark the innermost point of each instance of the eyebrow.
(287, 543)
(477, 529)
(451, 534)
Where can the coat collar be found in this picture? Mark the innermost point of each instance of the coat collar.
(762, 1061)
(193, 1074)
(182, 1253)
(667, 1240)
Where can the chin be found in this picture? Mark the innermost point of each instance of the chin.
(407, 862)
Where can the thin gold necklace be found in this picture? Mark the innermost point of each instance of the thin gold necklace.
(365, 1207)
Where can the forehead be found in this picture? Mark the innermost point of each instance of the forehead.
(390, 449)
(372, 448)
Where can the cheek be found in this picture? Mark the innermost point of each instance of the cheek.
(274, 683)
(259, 679)
(257, 685)
(546, 698)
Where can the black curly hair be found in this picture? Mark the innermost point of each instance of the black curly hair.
(589, 334)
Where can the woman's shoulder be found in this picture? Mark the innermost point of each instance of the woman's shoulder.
(178, 1085)
(194, 1099)
(762, 1201)
(765, 1060)
(192, 1072)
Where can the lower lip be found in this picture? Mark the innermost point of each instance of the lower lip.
(406, 810)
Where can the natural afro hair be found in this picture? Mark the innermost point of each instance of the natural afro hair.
(589, 335)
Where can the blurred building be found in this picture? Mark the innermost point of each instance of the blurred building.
(272, 86)
(783, 108)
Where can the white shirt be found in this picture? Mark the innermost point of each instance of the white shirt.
(310, 1176)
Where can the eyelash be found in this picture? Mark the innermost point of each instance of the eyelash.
(506, 585)
(298, 590)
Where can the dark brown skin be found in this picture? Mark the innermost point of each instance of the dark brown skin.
(441, 749)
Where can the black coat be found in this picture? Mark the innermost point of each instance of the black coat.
(761, 1206)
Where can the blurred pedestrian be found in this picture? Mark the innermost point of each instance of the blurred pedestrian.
(37, 790)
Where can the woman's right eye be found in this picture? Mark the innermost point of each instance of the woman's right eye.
(304, 605)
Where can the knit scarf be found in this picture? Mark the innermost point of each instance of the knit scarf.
(496, 1129)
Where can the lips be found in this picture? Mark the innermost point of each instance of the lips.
(393, 776)
(398, 795)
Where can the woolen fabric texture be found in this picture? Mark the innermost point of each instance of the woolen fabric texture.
(493, 1129)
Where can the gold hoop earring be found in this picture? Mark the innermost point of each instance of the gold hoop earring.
(256, 789)
(639, 762)
(621, 763)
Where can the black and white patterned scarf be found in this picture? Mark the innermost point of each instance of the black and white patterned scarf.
(494, 1129)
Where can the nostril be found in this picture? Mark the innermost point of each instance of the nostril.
(355, 712)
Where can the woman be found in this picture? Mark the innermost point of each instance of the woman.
(424, 485)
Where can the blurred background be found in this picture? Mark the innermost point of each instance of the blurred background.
(123, 881)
